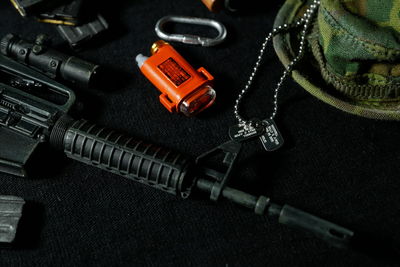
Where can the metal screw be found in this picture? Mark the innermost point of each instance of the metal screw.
(42, 137)
(36, 49)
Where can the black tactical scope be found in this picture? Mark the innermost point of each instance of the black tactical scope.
(50, 62)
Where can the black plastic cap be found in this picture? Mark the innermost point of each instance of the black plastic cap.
(5, 42)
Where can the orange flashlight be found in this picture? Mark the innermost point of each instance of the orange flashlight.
(183, 88)
(213, 5)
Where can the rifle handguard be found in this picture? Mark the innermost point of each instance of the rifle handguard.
(168, 171)
(123, 155)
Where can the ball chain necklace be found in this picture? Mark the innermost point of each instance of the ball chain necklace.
(266, 129)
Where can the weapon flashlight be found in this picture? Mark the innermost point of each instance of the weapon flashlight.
(183, 88)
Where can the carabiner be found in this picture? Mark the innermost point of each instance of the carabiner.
(189, 38)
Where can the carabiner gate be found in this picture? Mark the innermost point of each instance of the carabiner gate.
(189, 38)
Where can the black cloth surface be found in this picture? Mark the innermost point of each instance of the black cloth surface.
(337, 166)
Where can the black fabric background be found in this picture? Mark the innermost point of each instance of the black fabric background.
(335, 165)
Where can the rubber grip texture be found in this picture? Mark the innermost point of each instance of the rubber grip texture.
(122, 155)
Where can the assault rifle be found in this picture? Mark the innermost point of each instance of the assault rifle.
(32, 114)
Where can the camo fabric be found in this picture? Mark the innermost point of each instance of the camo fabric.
(355, 45)
(360, 41)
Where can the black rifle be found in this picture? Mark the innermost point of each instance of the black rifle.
(29, 118)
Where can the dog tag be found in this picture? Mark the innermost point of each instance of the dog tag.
(271, 138)
(244, 131)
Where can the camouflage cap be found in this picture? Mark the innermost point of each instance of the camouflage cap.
(354, 48)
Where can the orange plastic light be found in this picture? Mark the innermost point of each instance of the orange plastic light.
(183, 88)
(213, 5)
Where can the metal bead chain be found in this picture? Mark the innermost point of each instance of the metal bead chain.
(306, 22)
